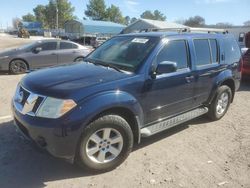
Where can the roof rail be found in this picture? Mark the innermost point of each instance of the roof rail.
(208, 30)
(179, 30)
(182, 30)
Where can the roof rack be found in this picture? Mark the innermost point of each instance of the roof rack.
(208, 30)
(182, 30)
(179, 30)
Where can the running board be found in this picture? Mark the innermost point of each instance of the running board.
(161, 126)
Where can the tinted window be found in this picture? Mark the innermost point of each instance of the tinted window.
(48, 46)
(202, 50)
(232, 51)
(175, 51)
(67, 45)
(214, 50)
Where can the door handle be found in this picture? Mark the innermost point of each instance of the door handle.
(189, 79)
(53, 54)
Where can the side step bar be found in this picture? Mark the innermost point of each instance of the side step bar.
(171, 122)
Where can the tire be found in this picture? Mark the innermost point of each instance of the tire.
(79, 59)
(221, 103)
(18, 67)
(95, 149)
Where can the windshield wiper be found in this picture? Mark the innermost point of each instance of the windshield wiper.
(97, 62)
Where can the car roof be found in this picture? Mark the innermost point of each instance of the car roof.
(54, 40)
(176, 34)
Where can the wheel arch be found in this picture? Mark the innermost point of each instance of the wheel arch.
(128, 115)
(78, 58)
(28, 66)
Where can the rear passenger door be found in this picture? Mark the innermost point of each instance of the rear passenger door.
(171, 93)
(206, 60)
(68, 52)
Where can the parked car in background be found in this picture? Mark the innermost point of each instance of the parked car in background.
(132, 86)
(246, 64)
(41, 54)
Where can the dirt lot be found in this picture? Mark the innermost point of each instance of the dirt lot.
(198, 154)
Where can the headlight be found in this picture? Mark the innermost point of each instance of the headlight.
(54, 108)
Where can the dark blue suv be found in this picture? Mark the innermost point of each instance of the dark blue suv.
(132, 86)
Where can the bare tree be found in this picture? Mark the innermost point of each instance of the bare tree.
(16, 22)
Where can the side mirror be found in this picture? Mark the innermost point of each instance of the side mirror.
(166, 67)
(37, 50)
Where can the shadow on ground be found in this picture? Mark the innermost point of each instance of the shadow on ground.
(24, 165)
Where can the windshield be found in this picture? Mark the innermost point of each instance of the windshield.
(28, 46)
(125, 52)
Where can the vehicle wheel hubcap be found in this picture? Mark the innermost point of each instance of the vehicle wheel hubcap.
(222, 103)
(18, 67)
(104, 145)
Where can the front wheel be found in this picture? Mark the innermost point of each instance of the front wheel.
(221, 103)
(105, 143)
(18, 67)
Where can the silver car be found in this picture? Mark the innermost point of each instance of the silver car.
(41, 54)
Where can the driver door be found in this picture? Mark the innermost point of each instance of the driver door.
(44, 58)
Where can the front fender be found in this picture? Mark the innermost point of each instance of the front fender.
(90, 107)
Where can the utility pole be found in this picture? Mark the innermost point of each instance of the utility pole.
(56, 17)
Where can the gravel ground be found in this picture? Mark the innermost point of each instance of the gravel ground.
(198, 154)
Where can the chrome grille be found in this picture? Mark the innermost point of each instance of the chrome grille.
(27, 102)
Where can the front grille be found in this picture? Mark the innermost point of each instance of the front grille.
(37, 104)
(27, 102)
(25, 95)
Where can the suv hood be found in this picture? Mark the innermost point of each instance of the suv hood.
(63, 80)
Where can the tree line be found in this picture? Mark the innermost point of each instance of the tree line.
(98, 10)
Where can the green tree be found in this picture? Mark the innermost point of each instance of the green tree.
(196, 21)
(29, 18)
(156, 15)
(96, 10)
(65, 13)
(114, 14)
(39, 12)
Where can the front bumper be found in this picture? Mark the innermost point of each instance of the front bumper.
(54, 135)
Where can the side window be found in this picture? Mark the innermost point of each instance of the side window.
(214, 50)
(202, 50)
(67, 45)
(232, 50)
(175, 51)
(48, 46)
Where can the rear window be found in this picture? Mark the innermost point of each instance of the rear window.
(232, 50)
